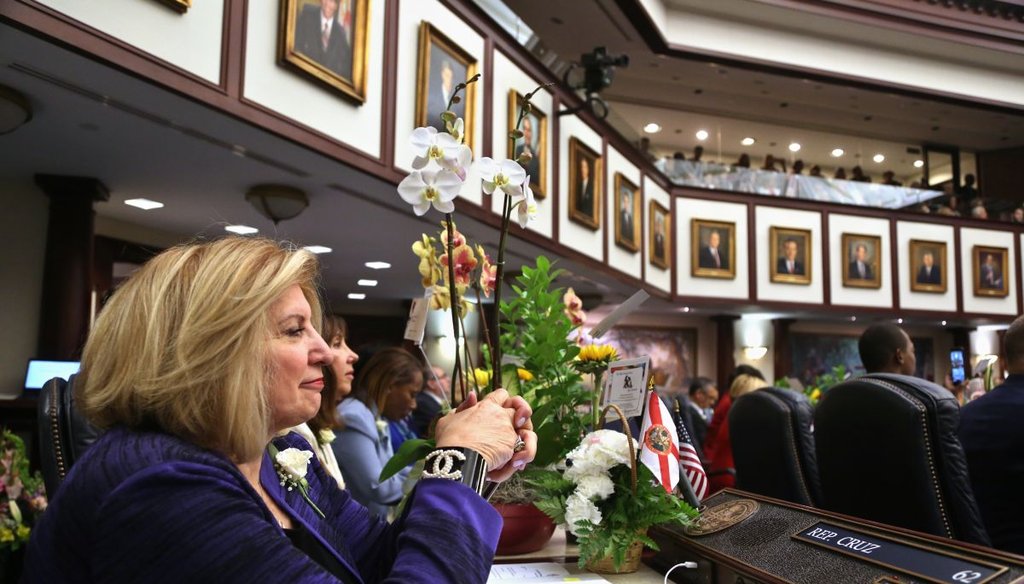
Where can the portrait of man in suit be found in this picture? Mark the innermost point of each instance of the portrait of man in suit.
(584, 184)
(321, 37)
(928, 262)
(788, 263)
(863, 266)
(713, 248)
(790, 249)
(929, 272)
(443, 65)
(529, 144)
(627, 205)
(711, 255)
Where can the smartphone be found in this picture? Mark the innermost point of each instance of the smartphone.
(956, 361)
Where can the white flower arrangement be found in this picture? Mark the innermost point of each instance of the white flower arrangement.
(588, 466)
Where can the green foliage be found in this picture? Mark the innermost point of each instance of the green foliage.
(821, 383)
(535, 332)
(410, 451)
(22, 497)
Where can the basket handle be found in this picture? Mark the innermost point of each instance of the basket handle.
(625, 428)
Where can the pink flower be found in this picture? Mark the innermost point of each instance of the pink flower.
(488, 272)
(465, 263)
(574, 307)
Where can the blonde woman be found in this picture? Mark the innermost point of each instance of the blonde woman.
(717, 447)
(197, 362)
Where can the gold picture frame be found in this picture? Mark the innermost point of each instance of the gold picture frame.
(990, 271)
(659, 235)
(862, 263)
(181, 6)
(790, 259)
(585, 193)
(441, 66)
(713, 249)
(535, 138)
(928, 275)
(627, 213)
(337, 59)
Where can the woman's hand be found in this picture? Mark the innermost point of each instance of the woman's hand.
(491, 426)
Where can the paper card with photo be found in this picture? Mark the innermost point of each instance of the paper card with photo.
(626, 385)
(326, 40)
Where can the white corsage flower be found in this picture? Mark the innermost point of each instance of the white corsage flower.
(382, 429)
(506, 176)
(446, 150)
(423, 188)
(528, 206)
(326, 436)
(293, 463)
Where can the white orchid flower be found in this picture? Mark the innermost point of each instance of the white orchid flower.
(506, 176)
(528, 206)
(423, 188)
(444, 149)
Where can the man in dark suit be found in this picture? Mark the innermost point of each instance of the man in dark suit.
(585, 190)
(319, 36)
(659, 236)
(929, 272)
(711, 255)
(439, 93)
(787, 262)
(626, 216)
(860, 269)
(994, 447)
(991, 274)
(430, 401)
(529, 144)
(703, 396)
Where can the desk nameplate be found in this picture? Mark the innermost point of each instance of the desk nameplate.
(927, 563)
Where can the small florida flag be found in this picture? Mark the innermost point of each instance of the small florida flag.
(660, 448)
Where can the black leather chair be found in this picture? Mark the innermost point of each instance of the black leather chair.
(64, 434)
(772, 445)
(888, 451)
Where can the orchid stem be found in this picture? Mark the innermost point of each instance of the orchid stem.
(454, 303)
(506, 212)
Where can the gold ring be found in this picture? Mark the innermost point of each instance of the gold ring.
(520, 445)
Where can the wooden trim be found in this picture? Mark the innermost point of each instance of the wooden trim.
(674, 270)
(826, 261)
(487, 149)
(893, 266)
(234, 35)
(608, 209)
(959, 271)
(1020, 279)
(644, 231)
(389, 93)
(556, 170)
(751, 251)
(656, 42)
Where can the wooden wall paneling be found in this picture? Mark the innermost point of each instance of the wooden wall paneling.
(487, 116)
(894, 264)
(826, 261)
(233, 47)
(751, 256)
(390, 89)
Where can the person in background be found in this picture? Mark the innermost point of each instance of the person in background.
(743, 162)
(194, 368)
(968, 192)
(840, 174)
(431, 401)
(979, 211)
(319, 430)
(698, 151)
(678, 156)
(993, 442)
(1017, 216)
(770, 163)
(717, 446)
(385, 390)
(889, 178)
(797, 168)
(703, 396)
(886, 348)
(815, 171)
(859, 176)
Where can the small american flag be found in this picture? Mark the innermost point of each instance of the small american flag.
(688, 458)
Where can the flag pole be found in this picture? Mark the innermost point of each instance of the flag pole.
(685, 487)
(643, 412)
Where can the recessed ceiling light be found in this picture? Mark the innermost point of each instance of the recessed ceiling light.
(943, 323)
(144, 204)
(367, 282)
(748, 141)
(241, 229)
(317, 249)
(356, 296)
(702, 134)
(837, 152)
(378, 265)
(794, 147)
(652, 128)
(878, 158)
(853, 319)
(918, 163)
(899, 321)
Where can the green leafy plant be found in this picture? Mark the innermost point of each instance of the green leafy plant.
(22, 497)
(821, 383)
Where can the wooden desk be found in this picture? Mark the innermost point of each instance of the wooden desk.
(559, 551)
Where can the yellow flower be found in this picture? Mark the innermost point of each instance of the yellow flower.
(428, 268)
(6, 535)
(23, 531)
(524, 375)
(815, 395)
(482, 377)
(604, 353)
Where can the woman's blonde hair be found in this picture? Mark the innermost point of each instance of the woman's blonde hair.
(182, 346)
(744, 384)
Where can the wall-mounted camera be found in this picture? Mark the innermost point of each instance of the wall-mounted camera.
(598, 71)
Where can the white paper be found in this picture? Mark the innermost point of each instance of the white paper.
(627, 384)
(526, 572)
(418, 318)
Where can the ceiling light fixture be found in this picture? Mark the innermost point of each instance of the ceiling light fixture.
(367, 282)
(748, 141)
(878, 158)
(837, 152)
(853, 319)
(652, 128)
(144, 204)
(755, 353)
(377, 265)
(277, 202)
(318, 249)
(918, 163)
(899, 321)
(702, 135)
(794, 147)
(241, 229)
(943, 323)
(355, 296)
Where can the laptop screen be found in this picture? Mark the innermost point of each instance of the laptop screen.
(39, 372)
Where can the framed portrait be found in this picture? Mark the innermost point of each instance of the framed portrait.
(627, 213)
(584, 185)
(713, 249)
(673, 352)
(990, 269)
(790, 255)
(862, 263)
(535, 141)
(659, 234)
(443, 65)
(928, 266)
(326, 40)
(179, 5)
